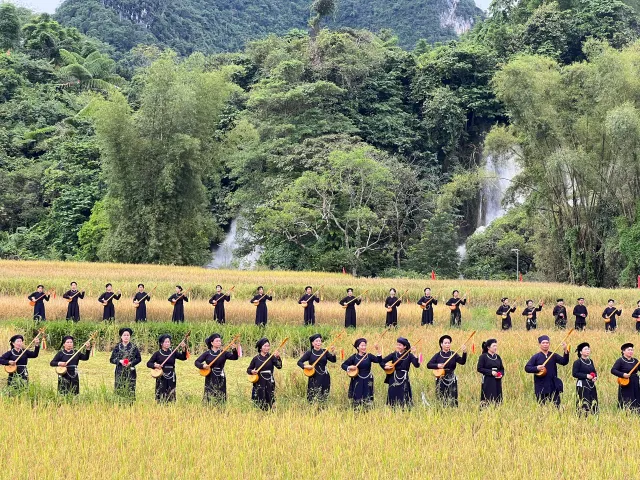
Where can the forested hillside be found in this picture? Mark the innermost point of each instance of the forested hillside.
(227, 25)
(333, 148)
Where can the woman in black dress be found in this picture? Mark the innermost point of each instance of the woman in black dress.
(73, 309)
(584, 371)
(217, 300)
(309, 317)
(319, 384)
(21, 375)
(560, 314)
(399, 394)
(140, 299)
(492, 370)
(178, 307)
(636, 316)
(263, 392)
(505, 310)
(447, 385)
(361, 386)
(106, 299)
(609, 314)
(531, 313)
(260, 301)
(166, 383)
(215, 384)
(39, 297)
(350, 311)
(69, 383)
(427, 302)
(628, 395)
(392, 302)
(454, 305)
(125, 356)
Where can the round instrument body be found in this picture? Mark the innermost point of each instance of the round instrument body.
(389, 368)
(61, 370)
(69, 300)
(389, 309)
(215, 302)
(353, 373)
(156, 372)
(11, 368)
(136, 305)
(346, 306)
(439, 372)
(254, 378)
(623, 382)
(542, 372)
(205, 372)
(423, 307)
(607, 320)
(309, 370)
(256, 303)
(304, 304)
(32, 303)
(529, 316)
(452, 307)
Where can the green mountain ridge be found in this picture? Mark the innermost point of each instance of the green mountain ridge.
(226, 25)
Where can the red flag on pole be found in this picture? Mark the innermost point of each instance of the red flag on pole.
(433, 275)
(344, 271)
(520, 277)
(638, 281)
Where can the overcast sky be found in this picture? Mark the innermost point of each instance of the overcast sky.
(50, 5)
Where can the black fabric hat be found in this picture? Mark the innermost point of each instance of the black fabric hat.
(261, 342)
(125, 329)
(487, 344)
(559, 300)
(13, 339)
(503, 299)
(358, 342)
(541, 338)
(443, 338)
(580, 347)
(64, 339)
(611, 300)
(581, 298)
(314, 337)
(162, 338)
(404, 342)
(528, 301)
(625, 346)
(209, 341)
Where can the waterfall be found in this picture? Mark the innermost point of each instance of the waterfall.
(222, 256)
(498, 174)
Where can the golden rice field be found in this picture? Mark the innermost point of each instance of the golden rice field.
(94, 437)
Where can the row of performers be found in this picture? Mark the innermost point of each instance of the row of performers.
(392, 302)
(544, 365)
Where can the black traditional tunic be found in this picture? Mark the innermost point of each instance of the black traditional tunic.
(166, 383)
(69, 383)
(39, 313)
(125, 377)
(21, 374)
(505, 312)
(560, 315)
(456, 314)
(549, 387)
(218, 310)
(73, 309)
(350, 311)
(636, 315)
(580, 312)
(392, 316)
(628, 396)
(610, 320)
(178, 308)
(141, 311)
(319, 384)
(532, 316)
(491, 389)
(427, 313)
(261, 309)
(587, 395)
(215, 384)
(447, 386)
(309, 311)
(263, 392)
(399, 394)
(361, 386)
(109, 312)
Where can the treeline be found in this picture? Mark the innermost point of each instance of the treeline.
(334, 149)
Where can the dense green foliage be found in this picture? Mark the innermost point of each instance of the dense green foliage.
(334, 148)
(213, 26)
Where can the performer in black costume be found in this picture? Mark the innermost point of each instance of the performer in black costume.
(141, 298)
(531, 313)
(217, 300)
(106, 299)
(125, 356)
(361, 386)
(549, 387)
(628, 395)
(69, 383)
(350, 312)
(492, 369)
(263, 392)
(399, 393)
(215, 384)
(584, 371)
(427, 301)
(260, 300)
(319, 384)
(73, 309)
(166, 383)
(178, 307)
(447, 386)
(39, 297)
(21, 376)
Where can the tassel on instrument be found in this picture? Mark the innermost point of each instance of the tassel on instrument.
(188, 354)
(473, 347)
(342, 354)
(420, 359)
(240, 351)
(44, 342)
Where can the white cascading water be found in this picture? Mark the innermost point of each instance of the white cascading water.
(222, 256)
(499, 172)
